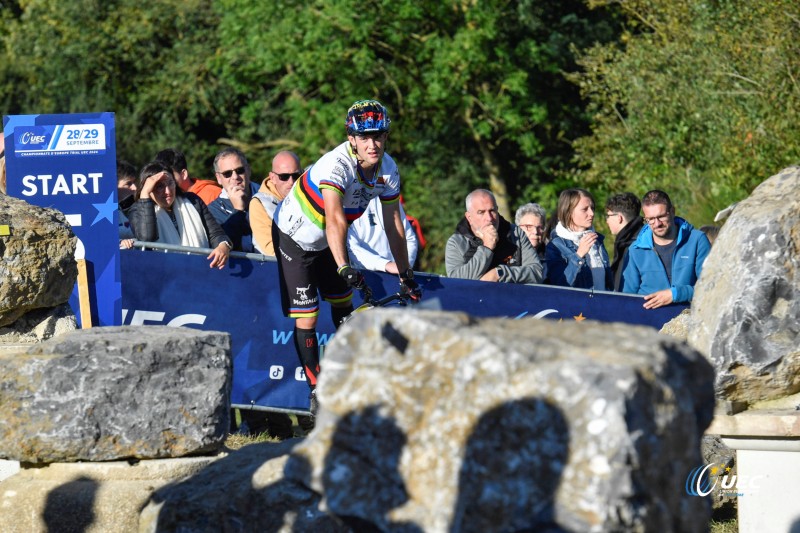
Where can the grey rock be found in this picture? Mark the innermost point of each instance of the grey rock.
(679, 326)
(110, 393)
(746, 306)
(246, 491)
(37, 260)
(39, 325)
(715, 452)
(439, 422)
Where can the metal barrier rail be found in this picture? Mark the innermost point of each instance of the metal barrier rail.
(144, 245)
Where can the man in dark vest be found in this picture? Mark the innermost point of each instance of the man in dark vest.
(487, 247)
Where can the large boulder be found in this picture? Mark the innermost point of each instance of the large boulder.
(439, 422)
(37, 259)
(104, 394)
(746, 307)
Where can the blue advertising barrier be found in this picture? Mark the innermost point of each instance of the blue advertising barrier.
(179, 289)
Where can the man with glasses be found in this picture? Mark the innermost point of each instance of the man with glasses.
(665, 260)
(622, 217)
(285, 171)
(230, 209)
(487, 247)
(310, 230)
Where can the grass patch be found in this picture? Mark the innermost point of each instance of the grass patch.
(236, 441)
(728, 526)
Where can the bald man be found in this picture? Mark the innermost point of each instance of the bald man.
(285, 171)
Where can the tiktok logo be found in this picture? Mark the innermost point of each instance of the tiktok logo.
(276, 372)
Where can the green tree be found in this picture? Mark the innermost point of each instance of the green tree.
(476, 90)
(699, 99)
(147, 63)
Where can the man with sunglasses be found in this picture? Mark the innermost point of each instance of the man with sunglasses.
(310, 230)
(665, 260)
(230, 209)
(285, 171)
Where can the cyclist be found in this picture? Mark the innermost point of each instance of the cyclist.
(310, 230)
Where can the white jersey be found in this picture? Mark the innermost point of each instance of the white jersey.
(368, 244)
(301, 215)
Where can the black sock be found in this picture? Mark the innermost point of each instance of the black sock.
(305, 342)
(339, 313)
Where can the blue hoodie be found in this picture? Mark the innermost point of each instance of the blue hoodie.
(644, 273)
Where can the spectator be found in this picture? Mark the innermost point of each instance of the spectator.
(367, 243)
(310, 229)
(207, 190)
(624, 221)
(549, 228)
(532, 218)
(711, 233)
(422, 243)
(230, 208)
(126, 189)
(285, 171)
(665, 261)
(163, 213)
(487, 247)
(575, 255)
(2, 170)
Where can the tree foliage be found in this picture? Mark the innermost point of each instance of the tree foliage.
(698, 98)
(476, 90)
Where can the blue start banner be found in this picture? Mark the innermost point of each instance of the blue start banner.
(68, 163)
(176, 289)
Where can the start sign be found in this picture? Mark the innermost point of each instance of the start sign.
(69, 163)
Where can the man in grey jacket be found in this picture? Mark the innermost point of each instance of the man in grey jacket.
(487, 247)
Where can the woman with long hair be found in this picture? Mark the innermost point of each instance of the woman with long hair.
(575, 255)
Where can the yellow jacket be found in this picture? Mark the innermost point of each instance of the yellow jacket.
(262, 206)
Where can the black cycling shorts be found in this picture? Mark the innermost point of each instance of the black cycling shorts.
(304, 275)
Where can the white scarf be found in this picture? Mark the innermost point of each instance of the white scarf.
(190, 230)
(595, 259)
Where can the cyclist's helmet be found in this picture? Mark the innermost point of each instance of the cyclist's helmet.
(367, 116)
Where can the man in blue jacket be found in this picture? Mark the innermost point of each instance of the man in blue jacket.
(665, 261)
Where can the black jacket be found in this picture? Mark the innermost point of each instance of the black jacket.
(142, 215)
(624, 239)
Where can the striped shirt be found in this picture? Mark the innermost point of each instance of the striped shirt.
(301, 215)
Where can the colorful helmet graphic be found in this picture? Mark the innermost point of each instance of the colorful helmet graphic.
(367, 116)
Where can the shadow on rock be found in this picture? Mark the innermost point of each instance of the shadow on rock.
(234, 494)
(361, 476)
(70, 507)
(512, 468)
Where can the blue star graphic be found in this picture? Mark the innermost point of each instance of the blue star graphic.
(105, 210)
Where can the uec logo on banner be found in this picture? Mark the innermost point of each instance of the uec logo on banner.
(29, 138)
(698, 482)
